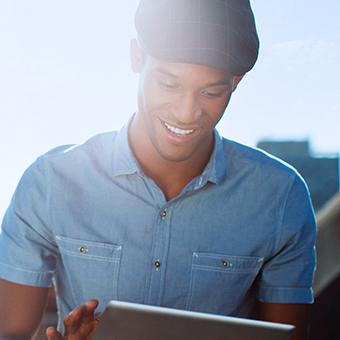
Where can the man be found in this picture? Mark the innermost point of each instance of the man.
(164, 212)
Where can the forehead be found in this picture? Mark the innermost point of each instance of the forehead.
(187, 72)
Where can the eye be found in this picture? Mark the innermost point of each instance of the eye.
(167, 86)
(212, 94)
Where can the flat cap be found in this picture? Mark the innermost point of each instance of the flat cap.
(216, 33)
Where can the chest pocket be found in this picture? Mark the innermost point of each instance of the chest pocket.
(91, 267)
(218, 283)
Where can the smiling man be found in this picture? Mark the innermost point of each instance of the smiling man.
(165, 211)
(172, 134)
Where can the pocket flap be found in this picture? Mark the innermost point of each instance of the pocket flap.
(89, 249)
(230, 263)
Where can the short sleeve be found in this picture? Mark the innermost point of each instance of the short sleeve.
(288, 275)
(27, 248)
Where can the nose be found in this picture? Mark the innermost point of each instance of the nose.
(187, 108)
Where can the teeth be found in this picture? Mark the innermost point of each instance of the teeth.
(177, 130)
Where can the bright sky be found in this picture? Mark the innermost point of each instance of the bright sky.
(65, 76)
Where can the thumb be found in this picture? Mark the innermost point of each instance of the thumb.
(53, 334)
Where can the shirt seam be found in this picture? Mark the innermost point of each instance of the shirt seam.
(25, 270)
(284, 288)
(48, 194)
(282, 213)
(246, 160)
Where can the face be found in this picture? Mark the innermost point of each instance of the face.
(179, 106)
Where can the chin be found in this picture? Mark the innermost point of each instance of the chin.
(174, 156)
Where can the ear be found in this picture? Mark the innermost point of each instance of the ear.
(236, 82)
(135, 56)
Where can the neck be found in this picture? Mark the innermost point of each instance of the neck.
(170, 176)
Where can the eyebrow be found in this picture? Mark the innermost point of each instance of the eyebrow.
(219, 83)
(162, 70)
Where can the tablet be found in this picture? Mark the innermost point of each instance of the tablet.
(131, 321)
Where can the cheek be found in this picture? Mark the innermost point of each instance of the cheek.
(217, 110)
(149, 95)
(224, 104)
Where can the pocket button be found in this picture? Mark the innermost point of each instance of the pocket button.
(225, 264)
(83, 249)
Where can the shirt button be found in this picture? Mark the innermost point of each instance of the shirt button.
(83, 249)
(225, 264)
(157, 264)
(164, 213)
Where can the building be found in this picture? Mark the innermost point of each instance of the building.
(320, 173)
(322, 177)
(325, 313)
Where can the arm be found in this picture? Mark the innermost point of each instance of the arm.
(293, 314)
(21, 310)
(286, 278)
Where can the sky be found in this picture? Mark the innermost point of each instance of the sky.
(65, 76)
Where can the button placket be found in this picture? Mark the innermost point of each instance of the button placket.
(159, 255)
(158, 263)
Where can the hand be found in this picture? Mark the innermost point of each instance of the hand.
(80, 324)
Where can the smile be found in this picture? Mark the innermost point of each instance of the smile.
(177, 130)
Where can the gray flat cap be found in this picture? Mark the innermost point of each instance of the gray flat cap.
(216, 33)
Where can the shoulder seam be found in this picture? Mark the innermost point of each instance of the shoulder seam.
(282, 212)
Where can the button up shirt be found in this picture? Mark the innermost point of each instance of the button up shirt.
(87, 218)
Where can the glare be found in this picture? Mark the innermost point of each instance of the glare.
(65, 76)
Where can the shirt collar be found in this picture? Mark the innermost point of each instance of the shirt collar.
(217, 166)
(124, 162)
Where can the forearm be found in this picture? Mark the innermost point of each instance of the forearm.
(21, 310)
(10, 337)
(293, 314)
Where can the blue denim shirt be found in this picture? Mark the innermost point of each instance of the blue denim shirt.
(87, 218)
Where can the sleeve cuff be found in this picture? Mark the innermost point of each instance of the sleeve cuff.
(285, 295)
(25, 277)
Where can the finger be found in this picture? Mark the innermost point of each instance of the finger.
(53, 334)
(72, 321)
(79, 316)
(89, 307)
(97, 316)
